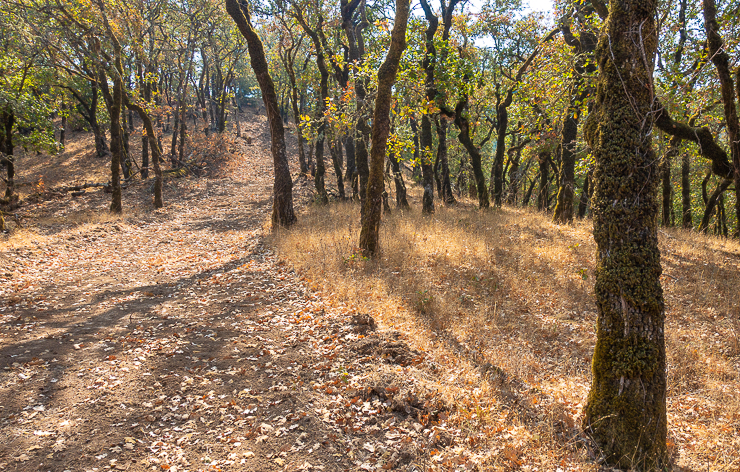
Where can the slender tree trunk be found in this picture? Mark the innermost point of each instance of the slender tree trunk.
(381, 128)
(667, 187)
(101, 147)
(115, 138)
(7, 120)
(566, 180)
(497, 173)
(625, 412)
(282, 206)
(426, 143)
(721, 60)
(444, 166)
(528, 193)
(149, 134)
(542, 194)
(303, 166)
(473, 151)
(175, 132)
(401, 200)
(711, 203)
(688, 220)
(183, 130)
(126, 166)
(349, 146)
(63, 130)
(335, 148)
(585, 195)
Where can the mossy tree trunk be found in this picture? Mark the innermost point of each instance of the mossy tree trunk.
(626, 408)
(381, 128)
(282, 190)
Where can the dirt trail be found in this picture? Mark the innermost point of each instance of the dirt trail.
(176, 340)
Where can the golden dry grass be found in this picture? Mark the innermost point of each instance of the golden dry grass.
(502, 301)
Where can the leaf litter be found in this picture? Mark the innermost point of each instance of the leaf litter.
(177, 340)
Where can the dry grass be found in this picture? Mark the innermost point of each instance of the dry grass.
(502, 301)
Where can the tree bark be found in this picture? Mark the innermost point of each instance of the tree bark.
(381, 128)
(711, 203)
(585, 195)
(444, 165)
(473, 151)
(401, 199)
(319, 177)
(688, 220)
(667, 187)
(721, 61)
(282, 190)
(335, 149)
(626, 408)
(156, 151)
(544, 189)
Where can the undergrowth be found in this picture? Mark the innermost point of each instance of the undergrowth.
(503, 301)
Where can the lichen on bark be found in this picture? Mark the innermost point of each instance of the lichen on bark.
(626, 411)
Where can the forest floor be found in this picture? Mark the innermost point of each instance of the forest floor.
(190, 338)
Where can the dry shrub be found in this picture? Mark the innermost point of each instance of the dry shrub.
(509, 292)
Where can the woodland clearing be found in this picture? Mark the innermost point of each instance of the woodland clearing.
(190, 338)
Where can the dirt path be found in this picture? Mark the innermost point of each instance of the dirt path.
(176, 340)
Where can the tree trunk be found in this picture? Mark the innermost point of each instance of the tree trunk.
(542, 194)
(721, 60)
(625, 412)
(711, 203)
(335, 148)
(381, 128)
(528, 193)
(148, 133)
(497, 173)
(426, 143)
(321, 196)
(63, 130)
(665, 170)
(302, 165)
(144, 155)
(585, 195)
(282, 191)
(444, 166)
(566, 180)
(126, 160)
(7, 119)
(175, 132)
(183, 130)
(688, 220)
(401, 200)
(473, 151)
(349, 146)
(115, 138)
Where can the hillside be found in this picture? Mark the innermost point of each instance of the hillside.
(192, 338)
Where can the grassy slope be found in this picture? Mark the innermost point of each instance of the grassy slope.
(502, 300)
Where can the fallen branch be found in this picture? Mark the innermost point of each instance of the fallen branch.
(77, 188)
